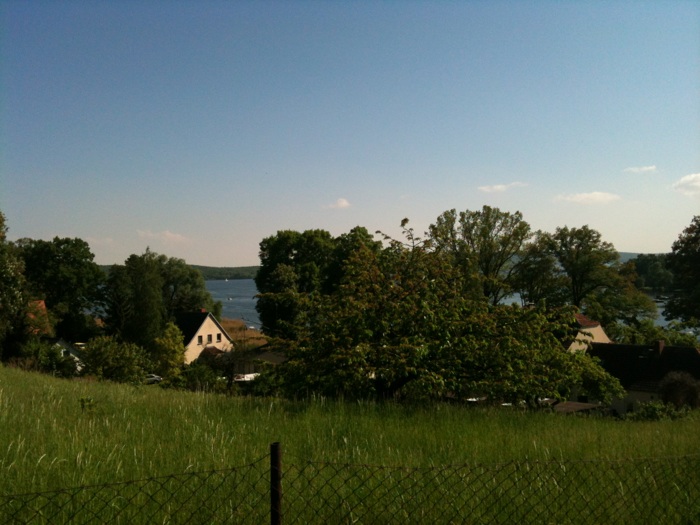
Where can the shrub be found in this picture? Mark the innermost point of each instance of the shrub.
(656, 411)
(680, 389)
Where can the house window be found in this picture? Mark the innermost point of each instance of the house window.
(199, 340)
(218, 338)
(208, 338)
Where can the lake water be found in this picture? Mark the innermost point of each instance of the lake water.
(237, 297)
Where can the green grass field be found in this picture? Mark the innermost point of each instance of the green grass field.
(57, 434)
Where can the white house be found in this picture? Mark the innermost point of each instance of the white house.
(201, 330)
(589, 332)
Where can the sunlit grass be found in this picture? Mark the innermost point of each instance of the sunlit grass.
(57, 433)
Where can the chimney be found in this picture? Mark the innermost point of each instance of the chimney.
(660, 344)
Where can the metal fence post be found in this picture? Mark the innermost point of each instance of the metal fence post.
(276, 483)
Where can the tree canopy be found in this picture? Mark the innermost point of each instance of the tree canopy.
(488, 243)
(399, 325)
(684, 263)
(150, 290)
(62, 272)
(294, 263)
(13, 299)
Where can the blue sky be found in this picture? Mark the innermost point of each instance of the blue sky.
(199, 128)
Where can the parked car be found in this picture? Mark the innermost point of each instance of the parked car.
(152, 379)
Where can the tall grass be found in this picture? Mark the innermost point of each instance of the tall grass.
(57, 433)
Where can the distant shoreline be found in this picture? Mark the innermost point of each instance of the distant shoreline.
(215, 273)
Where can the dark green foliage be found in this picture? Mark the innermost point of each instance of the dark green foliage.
(680, 389)
(46, 357)
(585, 261)
(653, 274)
(14, 300)
(213, 273)
(293, 264)
(400, 326)
(656, 411)
(487, 244)
(647, 332)
(149, 291)
(575, 266)
(107, 358)
(199, 377)
(63, 273)
(684, 262)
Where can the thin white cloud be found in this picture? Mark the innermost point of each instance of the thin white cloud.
(640, 169)
(689, 185)
(594, 197)
(501, 187)
(339, 204)
(100, 241)
(166, 237)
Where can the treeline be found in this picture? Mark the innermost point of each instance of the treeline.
(125, 316)
(424, 317)
(214, 273)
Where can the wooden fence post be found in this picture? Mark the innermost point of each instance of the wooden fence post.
(276, 484)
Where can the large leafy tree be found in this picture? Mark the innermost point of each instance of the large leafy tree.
(63, 273)
(539, 280)
(488, 243)
(150, 290)
(684, 262)
(295, 264)
(575, 266)
(652, 272)
(399, 325)
(585, 261)
(184, 288)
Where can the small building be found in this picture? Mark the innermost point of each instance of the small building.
(589, 332)
(201, 330)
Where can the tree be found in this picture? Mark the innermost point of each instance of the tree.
(13, 300)
(581, 269)
(63, 273)
(294, 264)
(653, 273)
(539, 280)
(487, 242)
(46, 357)
(620, 301)
(584, 259)
(150, 290)
(184, 288)
(168, 352)
(400, 326)
(648, 332)
(107, 358)
(680, 389)
(148, 314)
(684, 262)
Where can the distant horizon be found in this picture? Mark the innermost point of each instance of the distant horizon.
(623, 255)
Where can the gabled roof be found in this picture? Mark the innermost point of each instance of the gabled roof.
(585, 322)
(189, 324)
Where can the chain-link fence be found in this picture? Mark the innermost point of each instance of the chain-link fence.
(237, 495)
(627, 491)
